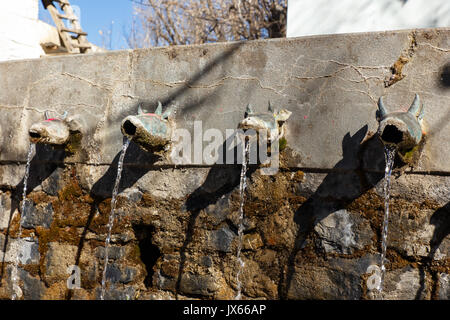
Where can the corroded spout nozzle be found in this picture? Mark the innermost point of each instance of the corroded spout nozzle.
(151, 131)
(52, 131)
(402, 129)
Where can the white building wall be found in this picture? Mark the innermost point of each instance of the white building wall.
(313, 17)
(20, 30)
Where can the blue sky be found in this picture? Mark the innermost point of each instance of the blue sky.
(105, 15)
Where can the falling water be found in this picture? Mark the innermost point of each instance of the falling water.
(242, 187)
(111, 214)
(389, 154)
(17, 292)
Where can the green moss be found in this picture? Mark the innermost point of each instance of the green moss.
(408, 156)
(411, 156)
(74, 143)
(282, 144)
(71, 191)
(135, 254)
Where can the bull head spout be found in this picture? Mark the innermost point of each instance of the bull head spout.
(52, 131)
(273, 121)
(63, 132)
(403, 130)
(151, 131)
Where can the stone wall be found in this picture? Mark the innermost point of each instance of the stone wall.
(311, 231)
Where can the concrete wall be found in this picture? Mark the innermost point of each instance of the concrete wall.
(311, 230)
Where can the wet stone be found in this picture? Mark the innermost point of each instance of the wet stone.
(312, 282)
(90, 272)
(26, 249)
(58, 259)
(195, 284)
(219, 211)
(40, 215)
(343, 232)
(120, 274)
(407, 283)
(5, 210)
(112, 293)
(165, 283)
(29, 252)
(252, 241)
(113, 273)
(444, 286)
(52, 184)
(128, 275)
(207, 261)
(114, 253)
(33, 288)
(221, 239)
(132, 195)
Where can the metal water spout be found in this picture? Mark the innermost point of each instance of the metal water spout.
(401, 129)
(53, 131)
(151, 131)
(272, 121)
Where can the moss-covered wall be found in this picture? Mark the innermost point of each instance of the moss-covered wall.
(312, 230)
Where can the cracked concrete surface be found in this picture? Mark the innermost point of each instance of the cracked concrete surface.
(330, 83)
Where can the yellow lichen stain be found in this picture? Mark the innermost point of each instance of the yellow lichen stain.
(298, 176)
(397, 71)
(74, 143)
(147, 201)
(70, 192)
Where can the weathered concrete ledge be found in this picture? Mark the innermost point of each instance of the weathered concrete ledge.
(330, 83)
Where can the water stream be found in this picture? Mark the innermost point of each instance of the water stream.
(111, 214)
(17, 292)
(389, 154)
(242, 187)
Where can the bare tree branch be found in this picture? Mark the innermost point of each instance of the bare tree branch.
(171, 22)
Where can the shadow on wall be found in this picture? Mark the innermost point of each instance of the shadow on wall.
(444, 79)
(441, 221)
(338, 189)
(221, 180)
(138, 162)
(190, 106)
(44, 163)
